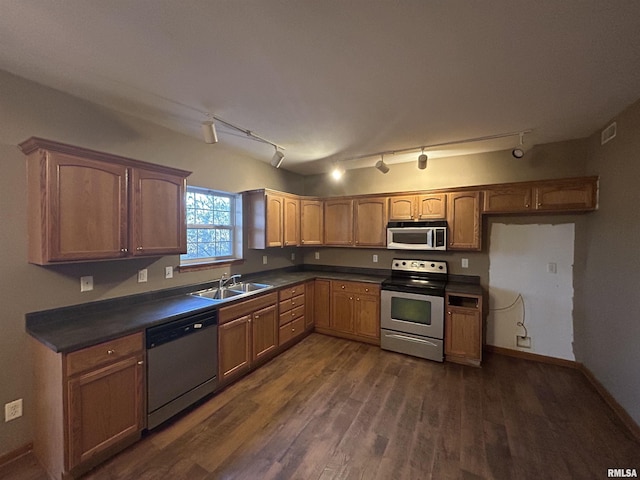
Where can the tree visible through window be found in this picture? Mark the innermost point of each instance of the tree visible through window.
(210, 225)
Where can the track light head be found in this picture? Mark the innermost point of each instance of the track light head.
(383, 167)
(422, 160)
(277, 158)
(520, 150)
(209, 132)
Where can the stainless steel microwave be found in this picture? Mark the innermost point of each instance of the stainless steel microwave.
(424, 235)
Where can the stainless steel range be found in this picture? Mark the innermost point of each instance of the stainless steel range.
(412, 308)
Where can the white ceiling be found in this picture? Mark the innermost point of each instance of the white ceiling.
(333, 79)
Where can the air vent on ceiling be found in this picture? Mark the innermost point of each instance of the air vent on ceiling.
(608, 134)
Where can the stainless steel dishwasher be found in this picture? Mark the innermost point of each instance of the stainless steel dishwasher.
(182, 364)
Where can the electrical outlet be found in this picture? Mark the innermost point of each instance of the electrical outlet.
(317, 255)
(524, 342)
(375, 258)
(264, 259)
(86, 283)
(13, 410)
(552, 267)
(168, 272)
(465, 263)
(142, 275)
(293, 256)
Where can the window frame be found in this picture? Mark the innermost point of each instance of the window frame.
(235, 229)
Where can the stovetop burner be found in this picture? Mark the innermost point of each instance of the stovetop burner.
(419, 276)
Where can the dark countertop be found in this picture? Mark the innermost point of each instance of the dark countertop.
(71, 328)
(463, 287)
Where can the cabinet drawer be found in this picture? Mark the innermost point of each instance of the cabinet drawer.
(247, 307)
(287, 293)
(292, 314)
(103, 353)
(291, 330)
(355, 287)
(296, 301)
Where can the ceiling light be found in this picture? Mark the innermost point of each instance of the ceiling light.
(337, 172)
(380, 165)
(519, 151)
(277, 158)
(422, 160)
(209, 132)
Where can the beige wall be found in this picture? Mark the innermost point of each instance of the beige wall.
(607, 332)
(27, 109)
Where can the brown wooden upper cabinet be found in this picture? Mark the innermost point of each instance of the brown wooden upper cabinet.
(567, 195)
(85, 205)
(311, 222)
(464, 220)
(274, 219)
(370, 221)
(338, 222)
(418, 207)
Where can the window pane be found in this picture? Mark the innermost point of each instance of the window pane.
(211, 218)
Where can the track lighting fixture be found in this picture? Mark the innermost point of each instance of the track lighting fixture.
(422, 160)
(209, 132)
(380, 165)
(277, 158)
(519, 151)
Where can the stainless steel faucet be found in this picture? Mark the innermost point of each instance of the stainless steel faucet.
(224, 281)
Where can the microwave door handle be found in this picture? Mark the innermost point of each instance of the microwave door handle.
(430, 237)
(411, 339)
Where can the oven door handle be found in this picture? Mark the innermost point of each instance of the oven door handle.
(411, 339)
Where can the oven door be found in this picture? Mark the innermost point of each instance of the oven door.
(414, 313)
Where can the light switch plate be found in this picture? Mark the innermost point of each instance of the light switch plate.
(264, 259)
(317, 255)
(86, 283)
(465, 263)
(375, 258)
(142, 275)
(168, 272)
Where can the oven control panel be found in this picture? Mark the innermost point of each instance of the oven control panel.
(419, 266)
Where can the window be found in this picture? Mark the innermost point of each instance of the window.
(214, 226)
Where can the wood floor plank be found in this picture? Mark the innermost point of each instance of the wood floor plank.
(332, 409)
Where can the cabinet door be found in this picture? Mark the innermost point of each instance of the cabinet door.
(312, 225)
(342, 311)
(105, 406)
(464, 220)
(265, 331)
(566, 195)
(309, 304)
(367, 316)
(371, 222)
(158, 216)
(432, 206)
(291, 221)
(338, 224)
(402, 208)
(506, 200)
(274, 223)
(234, 347)
(322, 303)
(463, 333)
(86, 211)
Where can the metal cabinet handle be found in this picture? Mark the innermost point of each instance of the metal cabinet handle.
(358, 299)
(139, 248)
(526, 205)
(342, 287)
(257, 317)
(123, 250)
(366, 289)
(350, 298)
(141, 362)
(110, 352)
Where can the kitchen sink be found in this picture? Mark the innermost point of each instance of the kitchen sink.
(248, 286)
(217, 293)
(230, 291)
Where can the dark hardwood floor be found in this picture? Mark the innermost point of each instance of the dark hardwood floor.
(335, 409)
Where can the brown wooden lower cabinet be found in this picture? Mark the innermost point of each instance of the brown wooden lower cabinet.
(292, 308)
(353, 310)
(463, 329)
(88, 404)
(247, 332)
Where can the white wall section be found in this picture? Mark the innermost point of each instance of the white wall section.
(522, 260)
